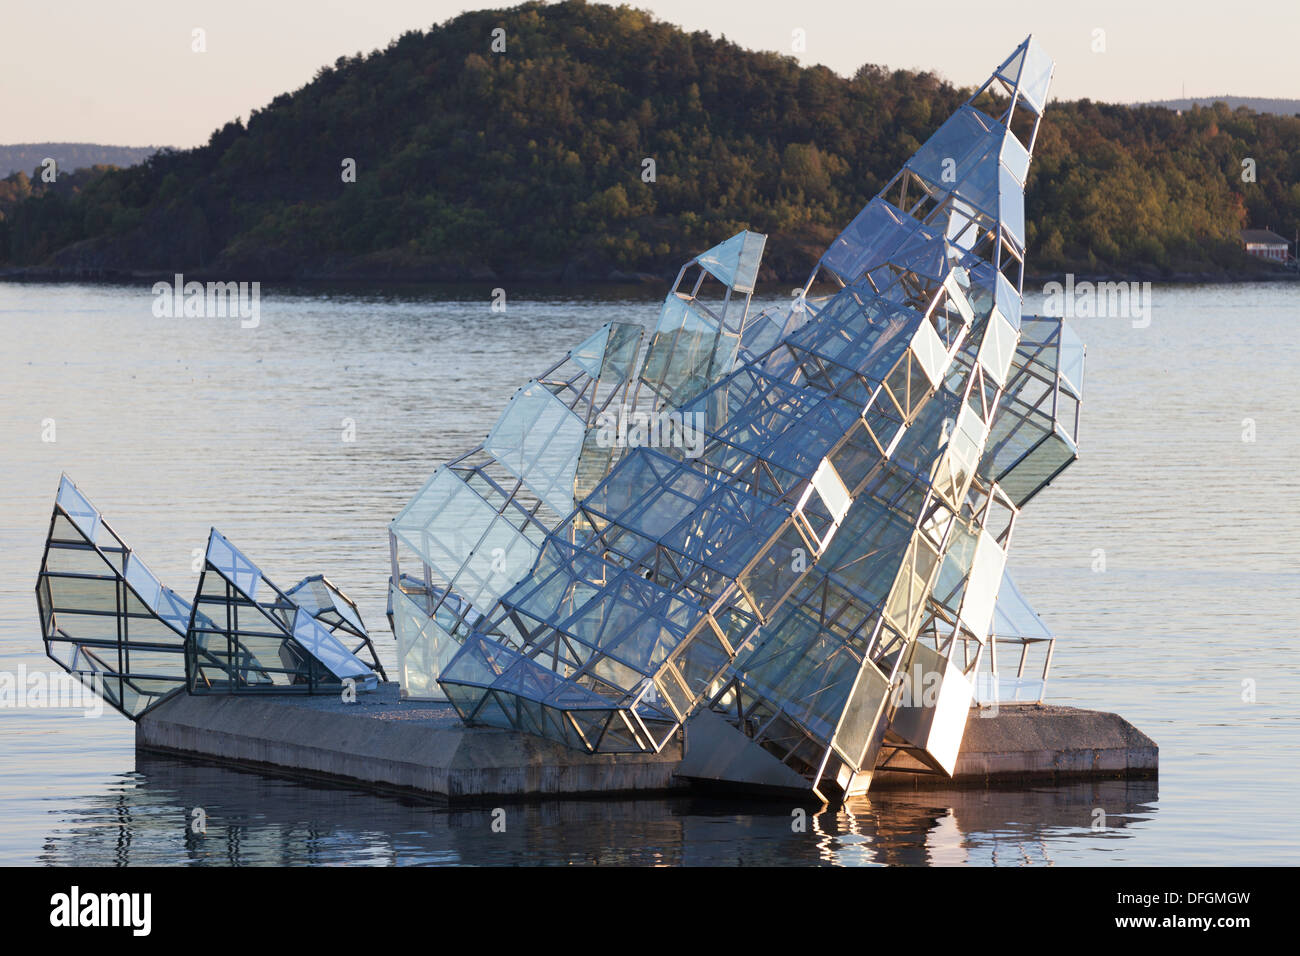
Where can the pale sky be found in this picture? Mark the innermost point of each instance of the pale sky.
(93, 71)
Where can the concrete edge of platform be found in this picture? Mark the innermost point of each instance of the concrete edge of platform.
(288, 735)
(443, 760)
(1036, 743)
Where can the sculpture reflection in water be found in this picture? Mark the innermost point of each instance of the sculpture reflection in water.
(148, 818)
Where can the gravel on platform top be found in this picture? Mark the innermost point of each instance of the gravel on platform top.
(385, 703)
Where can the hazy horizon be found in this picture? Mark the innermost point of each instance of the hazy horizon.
(85, 74)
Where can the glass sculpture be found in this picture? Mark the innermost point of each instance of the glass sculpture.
(786, 530)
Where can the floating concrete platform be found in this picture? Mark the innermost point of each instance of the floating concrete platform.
(386, 743)
(1026, 743)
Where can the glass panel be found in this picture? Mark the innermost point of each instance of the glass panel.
(143, 581)
(998, 347)
(1008, 300)
(539, 438)
(462, 538)
(81, 511)
(232, 564)
(1033, 472)
(833, 493)
(1011, 206)
(862, 714)
(735, 262)
(868, 240)
(1036, 75)
(589, 353)
(953, 158)
(1013, 616)
(1016, 158)
(930, 353)
(982, 589)
(1071, 360)
(683, 355)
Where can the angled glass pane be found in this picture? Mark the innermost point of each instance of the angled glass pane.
(1014, 617)
(1036, 76)
(735, 262)
(539, 439)
(125, 645)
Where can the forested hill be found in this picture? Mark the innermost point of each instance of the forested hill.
(529, 163)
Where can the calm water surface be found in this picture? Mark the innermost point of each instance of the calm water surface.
(174, 425)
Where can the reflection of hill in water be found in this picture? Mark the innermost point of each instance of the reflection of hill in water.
(257, 819)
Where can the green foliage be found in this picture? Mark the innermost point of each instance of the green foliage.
(531, 160)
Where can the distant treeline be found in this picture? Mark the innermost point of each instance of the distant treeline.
(25, 157)
(532, 163)
(1260, 104)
